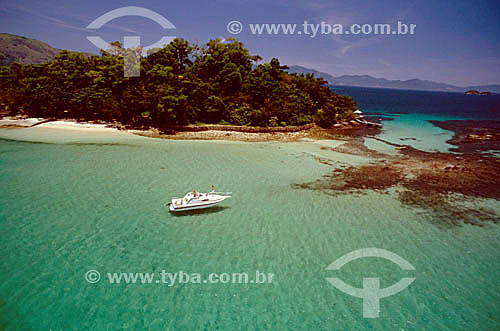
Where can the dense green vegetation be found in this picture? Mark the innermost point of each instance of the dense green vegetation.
(219, 82)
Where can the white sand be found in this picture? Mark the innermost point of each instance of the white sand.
(72, 125)
(66, 125)
(25, 122)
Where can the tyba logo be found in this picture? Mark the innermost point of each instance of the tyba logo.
(132, 63)
(371, 293)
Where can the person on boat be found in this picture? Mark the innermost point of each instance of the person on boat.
(194, 194)
(213, 189)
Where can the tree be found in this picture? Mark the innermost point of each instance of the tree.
(181, 83)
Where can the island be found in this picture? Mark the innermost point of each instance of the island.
(475, 92)
(180, 85)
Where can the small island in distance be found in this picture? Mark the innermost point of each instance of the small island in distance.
(475, 92)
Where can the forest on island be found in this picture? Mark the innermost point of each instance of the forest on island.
(180, 84)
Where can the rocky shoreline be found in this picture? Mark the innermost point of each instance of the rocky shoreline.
(256, 134)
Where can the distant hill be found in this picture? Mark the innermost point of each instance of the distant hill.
(24, 50)
(411, 84)
(304, 70)
(491, 88)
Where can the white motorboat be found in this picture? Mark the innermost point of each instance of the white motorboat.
(196, 200)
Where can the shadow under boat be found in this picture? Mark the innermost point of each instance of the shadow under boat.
(210, 210)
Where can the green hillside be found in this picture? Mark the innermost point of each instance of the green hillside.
(24, 50)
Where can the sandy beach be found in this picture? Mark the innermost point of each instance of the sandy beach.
(73, 125)
(59, 125)
(12, 122)
(314, 133)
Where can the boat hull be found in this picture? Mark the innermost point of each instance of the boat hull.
(174, 207)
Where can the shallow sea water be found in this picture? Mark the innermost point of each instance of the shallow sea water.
(74, 202)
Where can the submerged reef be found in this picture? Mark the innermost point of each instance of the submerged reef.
(446, 184)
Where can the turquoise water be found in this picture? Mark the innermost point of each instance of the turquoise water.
(405, 114)
(415, 130)
(74, 202)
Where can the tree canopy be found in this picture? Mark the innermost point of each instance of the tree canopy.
(181, 83)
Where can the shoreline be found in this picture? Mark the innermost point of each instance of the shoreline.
(470, 136)
(312, 134)
(207, 132)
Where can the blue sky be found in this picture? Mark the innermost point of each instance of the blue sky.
(456, 42)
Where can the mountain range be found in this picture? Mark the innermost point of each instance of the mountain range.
(411, 84)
